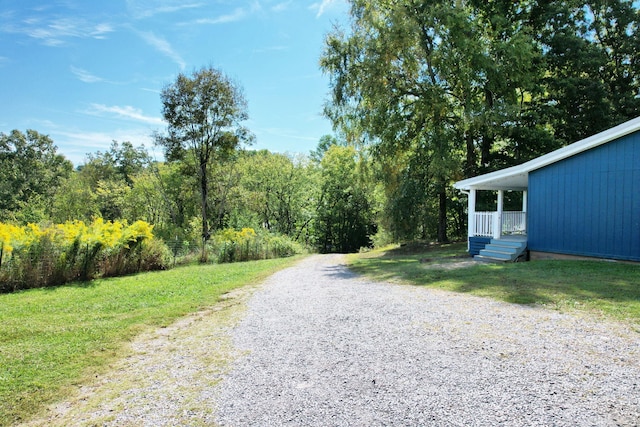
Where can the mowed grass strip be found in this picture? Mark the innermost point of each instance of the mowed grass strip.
(610, 289)
(51, 339)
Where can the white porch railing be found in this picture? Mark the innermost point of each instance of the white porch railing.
(486, 223)
(514, 222)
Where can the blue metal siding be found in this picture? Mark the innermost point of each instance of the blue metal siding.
(589, 204)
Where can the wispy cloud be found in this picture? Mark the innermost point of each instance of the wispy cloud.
(322, 7)
(100, 30)
(3, 61)
(281, 7)
(271, 49)
(126, 112)
(85, 75)
(237, 15)
(158, 91)
(56, 32)
(147, 8)
(286, 133)
(75, 144)
(164, 47)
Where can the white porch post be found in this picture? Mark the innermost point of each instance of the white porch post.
(471, 223)
(524, 210)
(497, 223)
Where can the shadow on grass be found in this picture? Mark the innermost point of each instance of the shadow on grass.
(608, 287)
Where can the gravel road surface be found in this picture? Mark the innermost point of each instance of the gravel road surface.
(326, 348)
(316, 345)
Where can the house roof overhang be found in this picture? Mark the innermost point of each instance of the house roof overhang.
(517, 177)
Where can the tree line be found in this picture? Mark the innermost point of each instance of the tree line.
(318, 202)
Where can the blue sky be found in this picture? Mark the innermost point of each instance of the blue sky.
(89, 72)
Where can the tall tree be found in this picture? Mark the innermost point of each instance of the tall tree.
(204, 113)
(431, 80)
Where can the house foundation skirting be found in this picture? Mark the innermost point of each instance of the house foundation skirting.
(539, 256)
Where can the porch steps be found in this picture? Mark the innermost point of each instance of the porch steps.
(500, 250)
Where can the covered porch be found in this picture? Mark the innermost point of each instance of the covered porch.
(497, 227)
(499, 223)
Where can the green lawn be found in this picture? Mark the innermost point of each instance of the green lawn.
(53, 338)
(601, 288)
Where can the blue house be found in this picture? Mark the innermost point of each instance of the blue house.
(581, 200)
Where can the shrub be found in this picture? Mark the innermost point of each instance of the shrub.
(155, 255)
(246, 245)
(382, 238)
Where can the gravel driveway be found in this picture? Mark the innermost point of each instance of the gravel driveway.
(327, 348)
(319, 346)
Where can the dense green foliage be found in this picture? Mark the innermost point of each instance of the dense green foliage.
(345, 216)
(53, 338)
(444, 90)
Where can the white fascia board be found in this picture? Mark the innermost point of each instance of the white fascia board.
(513, 178)
(516, 177)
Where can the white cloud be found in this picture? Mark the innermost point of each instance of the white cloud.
(76, 144)
(238, 14)
(281, 7)
(148, 8)
(322, 7)
(126, 112)
(100, 30)
(286, 133)
(85, 75)
(234, 16)
(271, 49)
(163, 46)
(56, 32)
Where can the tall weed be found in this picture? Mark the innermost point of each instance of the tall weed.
(35, 256)
(246, 245)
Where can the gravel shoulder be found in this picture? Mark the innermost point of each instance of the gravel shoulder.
(318, 345)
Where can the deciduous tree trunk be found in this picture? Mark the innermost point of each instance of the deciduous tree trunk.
(442, 216)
